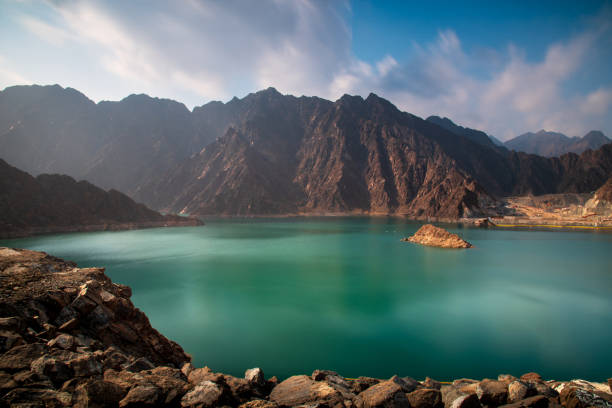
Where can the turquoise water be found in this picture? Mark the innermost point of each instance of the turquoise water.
(345, 294)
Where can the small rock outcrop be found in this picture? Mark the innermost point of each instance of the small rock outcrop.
(69, 337)
(431, 235)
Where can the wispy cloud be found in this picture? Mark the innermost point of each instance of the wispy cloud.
(196, 51)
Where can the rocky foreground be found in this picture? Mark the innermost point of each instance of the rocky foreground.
(70, 337)
(431, 235)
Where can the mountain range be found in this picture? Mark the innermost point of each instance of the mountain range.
(552, 144)
(58, 203)
(269, 153)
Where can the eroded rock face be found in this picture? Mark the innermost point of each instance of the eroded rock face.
(431, 235)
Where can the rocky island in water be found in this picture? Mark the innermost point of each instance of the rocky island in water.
(70, 337)
(431, 235)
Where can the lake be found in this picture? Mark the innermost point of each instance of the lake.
(293, 295)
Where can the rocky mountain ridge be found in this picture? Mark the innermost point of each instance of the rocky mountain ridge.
(274, 154)
(554, 144)
(70, 337)
(56, 203)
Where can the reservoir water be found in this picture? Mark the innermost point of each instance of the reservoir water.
(293, 295)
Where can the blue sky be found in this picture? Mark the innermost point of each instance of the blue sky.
(503, 67)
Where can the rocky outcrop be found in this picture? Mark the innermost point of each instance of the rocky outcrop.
(54, 203)
(70, 337)
(431, 235)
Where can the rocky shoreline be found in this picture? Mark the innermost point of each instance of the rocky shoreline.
(70, 337)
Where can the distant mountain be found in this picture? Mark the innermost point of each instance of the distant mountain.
(553, 144)
(472, 134)
(56, 203)
(496, 141)
(269, 153)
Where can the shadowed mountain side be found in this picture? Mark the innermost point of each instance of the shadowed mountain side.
(298, 157)
(56, 203)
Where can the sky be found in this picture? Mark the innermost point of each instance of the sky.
(505, 67)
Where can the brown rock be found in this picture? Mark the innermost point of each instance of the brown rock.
(431, 383)
(301, 389)
(259, 404)
(425, 398)
(241, 389)
(538, 401)
(37, 397)
(492, 393)
(140, 364)
(531, 377)
(63, 341)
(98, 394)
(452, 397)
(205, 394)
(20, 357)
(519, 390)
(86, 365)
(255, 376)
(146, 395)
(388, 394)
(545, 390)
(69, 325)
(508, 378)
(433, 236)
(363, 383)
(320, 375)
(199, 375)
(574, 397)
(610, 383)
(55, 369)
(9, 339)
(13, 323)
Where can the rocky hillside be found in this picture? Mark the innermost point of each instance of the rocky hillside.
(69, 337)
(269, 153)
(553, 144)
(55, 203)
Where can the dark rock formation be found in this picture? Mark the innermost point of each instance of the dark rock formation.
(431, 235)
(54, 203)
(70, 337)
(553, 144)
(269, 153)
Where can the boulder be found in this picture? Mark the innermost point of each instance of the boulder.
(146, 395)
(320, 375)
(519, 390)
(431, 383)
(9, 339)
(97, 393)
(140, 364)
(86, 365)
(63, 341)
(531, 377)
(508, 378)
(492, 393)
(20, 357)
(255, 376)
(301, 389)
(574, 397)
(452, 397)
(387, 394)
(363, 383)
(538, 401)
(54, 369)
(545, 390)
(205, 394)
(199, 375)
(425, 398)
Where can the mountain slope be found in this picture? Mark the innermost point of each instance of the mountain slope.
(472, 134)
(553, 144)
(55, 203)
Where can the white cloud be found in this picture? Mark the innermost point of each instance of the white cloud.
(195, 51)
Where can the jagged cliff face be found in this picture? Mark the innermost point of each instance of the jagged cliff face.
(56, 203)
(269, 153)
(307, 155)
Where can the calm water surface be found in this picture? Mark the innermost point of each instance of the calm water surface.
(345, 294)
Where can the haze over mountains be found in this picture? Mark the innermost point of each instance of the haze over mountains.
(58, 203)
(269, 153)
(551, 144)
